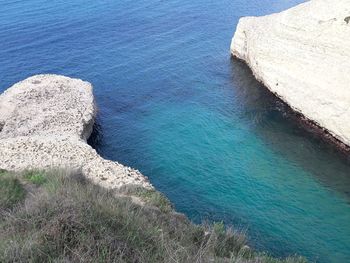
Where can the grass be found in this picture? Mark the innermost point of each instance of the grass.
(150, 197)
(35, 177)
(65, 218)
(11, 190)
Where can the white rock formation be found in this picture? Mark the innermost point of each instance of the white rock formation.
(45, 121)
(303, 56)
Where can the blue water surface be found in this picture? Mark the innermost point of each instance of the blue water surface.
(173, 104)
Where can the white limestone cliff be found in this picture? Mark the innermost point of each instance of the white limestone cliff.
(45, 121)
(303, 56)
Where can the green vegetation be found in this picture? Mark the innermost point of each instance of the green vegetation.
(65, 218)
(35, 177)
(11, 190)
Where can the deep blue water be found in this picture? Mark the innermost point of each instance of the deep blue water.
(173, 104)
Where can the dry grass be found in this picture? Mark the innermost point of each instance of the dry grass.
(65, 218)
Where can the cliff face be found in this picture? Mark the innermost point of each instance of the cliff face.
(45, 121)
(303, 56)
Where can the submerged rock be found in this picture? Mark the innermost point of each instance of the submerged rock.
(45, 121)
(303, 56)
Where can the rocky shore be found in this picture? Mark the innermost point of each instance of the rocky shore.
(57, 216)
(302, 55)
(45, 122)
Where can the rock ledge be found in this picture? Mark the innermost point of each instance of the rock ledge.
(45, 121)
(302, 55)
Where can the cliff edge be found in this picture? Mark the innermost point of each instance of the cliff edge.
(303, 56)
(45, 121)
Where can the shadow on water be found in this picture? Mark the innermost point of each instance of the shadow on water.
(274, 121)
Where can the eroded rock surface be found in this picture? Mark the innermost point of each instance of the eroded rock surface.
(45, 121)
(303, 56)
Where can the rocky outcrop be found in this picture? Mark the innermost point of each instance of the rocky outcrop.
(45, 121)
(303, 56)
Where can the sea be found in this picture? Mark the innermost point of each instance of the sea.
(173, 103)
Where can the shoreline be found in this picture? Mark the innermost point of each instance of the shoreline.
(303, 60)
(308, 125)
(47, 121)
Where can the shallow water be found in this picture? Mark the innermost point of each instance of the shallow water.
(173, 104)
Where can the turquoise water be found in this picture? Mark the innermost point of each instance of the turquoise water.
(173, 104)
